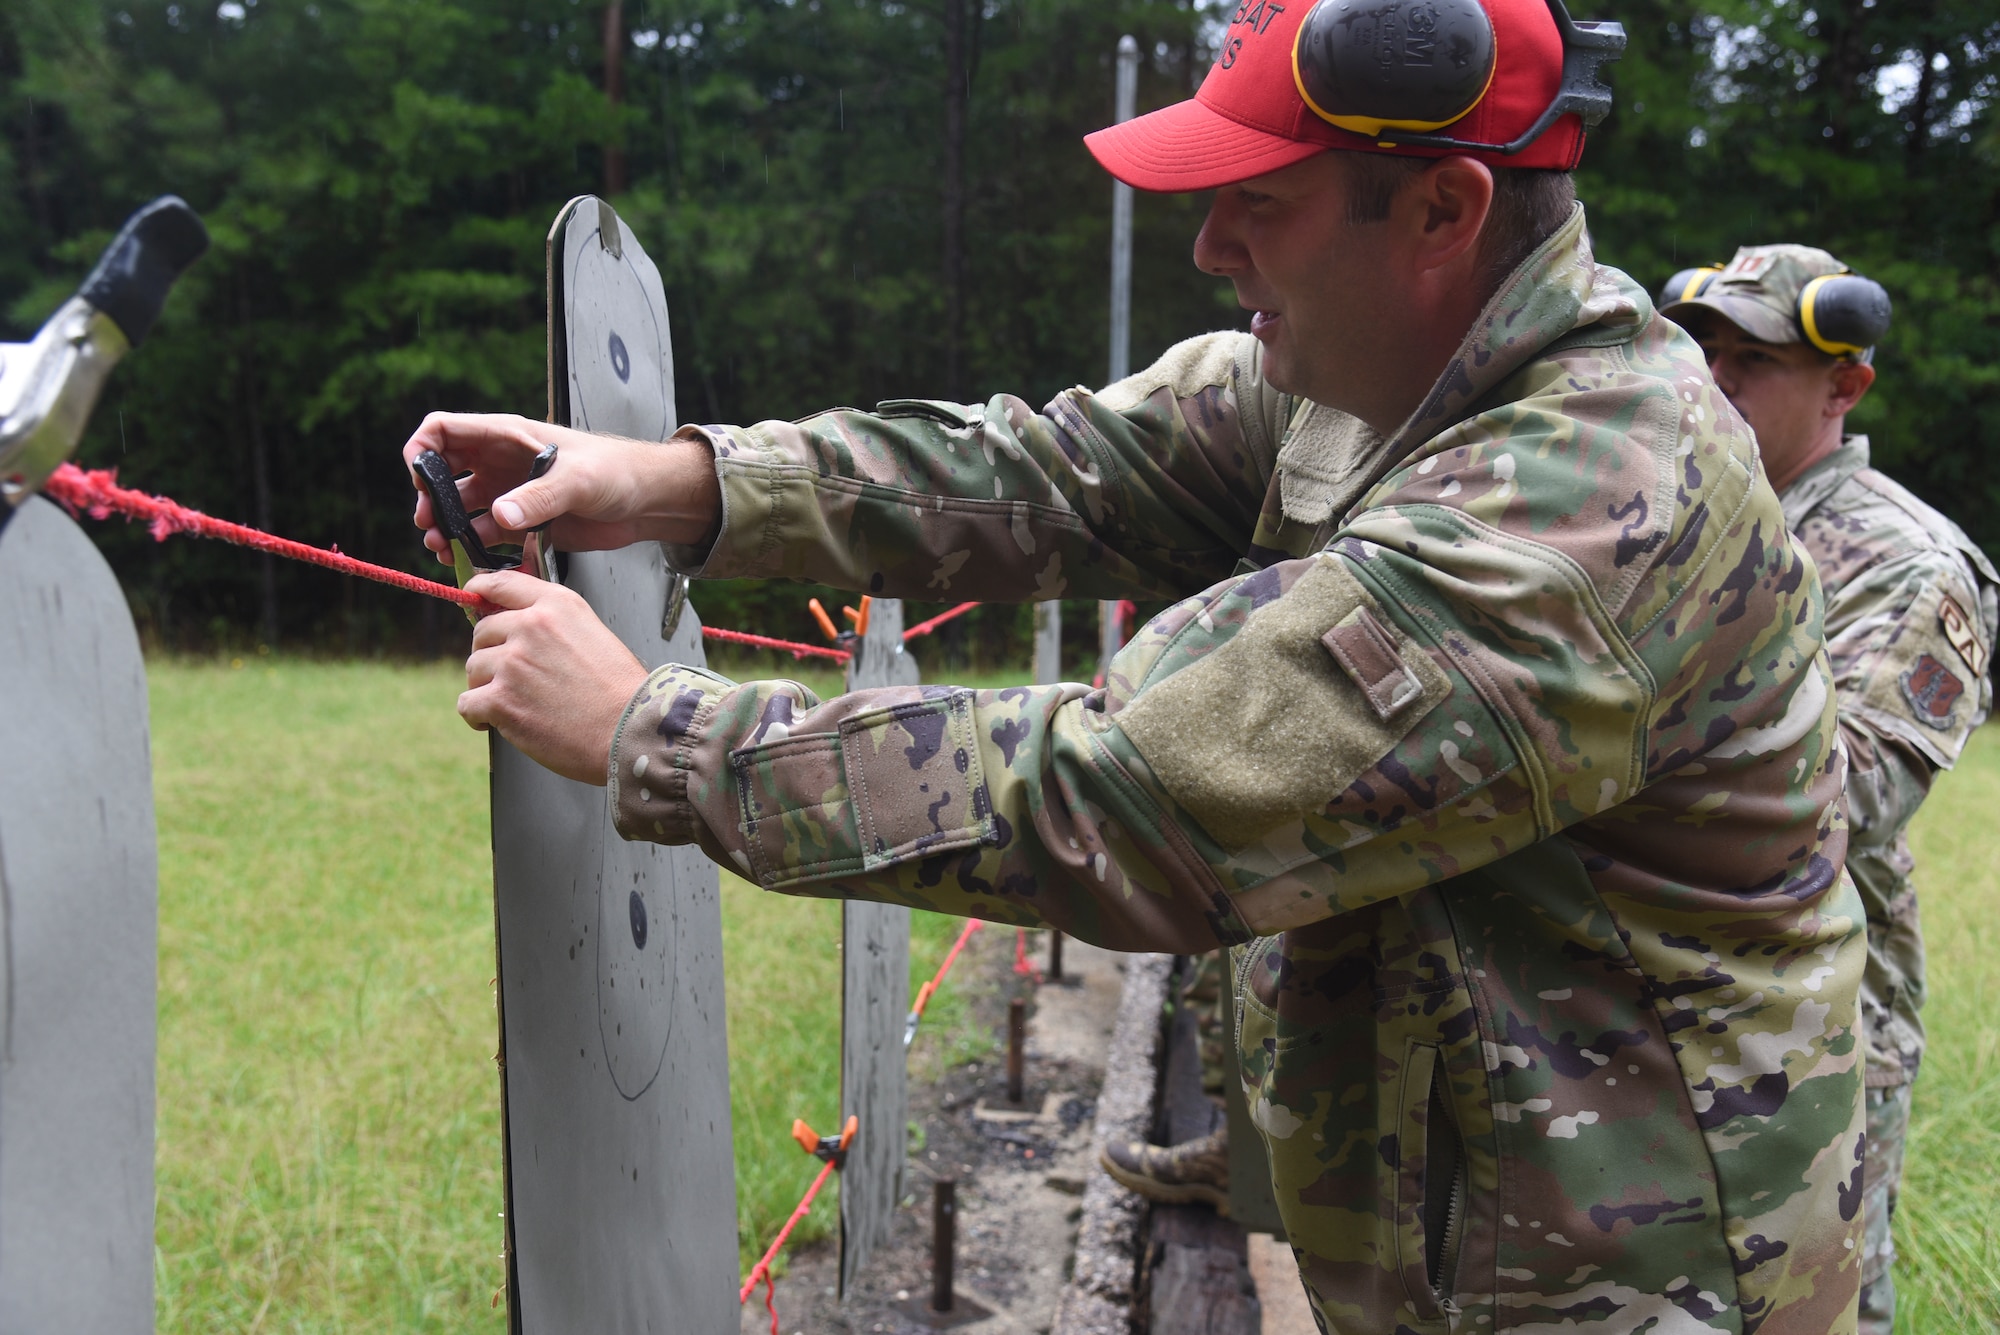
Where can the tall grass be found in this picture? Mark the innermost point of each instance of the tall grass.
(1948, 1223)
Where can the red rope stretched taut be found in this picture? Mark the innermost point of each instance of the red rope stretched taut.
(928, 990)
(97, 494)
(926, 627)
(792, 647)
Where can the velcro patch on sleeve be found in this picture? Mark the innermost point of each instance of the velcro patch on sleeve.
(1373, 657)
(1961, 635)
(917, 785)
(1276, 723)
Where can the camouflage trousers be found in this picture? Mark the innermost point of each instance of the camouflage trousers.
(1882, 1175)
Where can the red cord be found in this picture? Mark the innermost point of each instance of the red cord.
(761, 1272)
(98, 494)
(926, 627)
(792, 647)
(1021, 961)
(929, 989)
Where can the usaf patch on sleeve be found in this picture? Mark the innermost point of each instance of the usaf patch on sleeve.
(1933, 690)
(1959, 631)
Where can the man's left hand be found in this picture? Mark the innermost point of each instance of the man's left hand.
(548, 675)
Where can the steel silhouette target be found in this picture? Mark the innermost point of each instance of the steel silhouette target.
(79, 887)
(78, 940)
(617, 351)
(621, 1199)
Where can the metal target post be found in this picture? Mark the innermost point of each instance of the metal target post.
(1110, 631)
(875, 1000)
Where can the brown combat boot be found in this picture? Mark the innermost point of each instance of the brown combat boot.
(1194, 1170)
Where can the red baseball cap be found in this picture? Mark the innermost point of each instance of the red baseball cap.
(1250, 116)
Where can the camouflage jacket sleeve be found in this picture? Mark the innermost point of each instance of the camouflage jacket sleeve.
(1433, 692)
(1148, 488)
(1886, 783)
(1910, 614)
(1128, 816)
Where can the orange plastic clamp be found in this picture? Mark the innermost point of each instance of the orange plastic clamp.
(807, 1137)
(825, 621)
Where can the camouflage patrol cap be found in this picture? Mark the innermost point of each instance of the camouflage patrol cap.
(1760, 291)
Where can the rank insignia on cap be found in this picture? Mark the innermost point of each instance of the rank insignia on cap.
(1932, 690)
(1962, 637)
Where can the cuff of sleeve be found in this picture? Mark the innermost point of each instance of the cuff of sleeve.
(748, 507)
(652, 752)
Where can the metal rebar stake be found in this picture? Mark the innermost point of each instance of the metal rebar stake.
(1017, 1026)
(944, 1236)
(1055, 956)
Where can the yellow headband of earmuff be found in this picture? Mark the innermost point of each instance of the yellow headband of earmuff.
(1698, 279)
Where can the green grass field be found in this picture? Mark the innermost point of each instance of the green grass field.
(329, 1109)
(329, 1129)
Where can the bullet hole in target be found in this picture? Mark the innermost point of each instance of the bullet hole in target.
(638, 907)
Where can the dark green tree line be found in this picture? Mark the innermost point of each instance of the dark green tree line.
(839, 217)
(379, 176)
(1863, 126)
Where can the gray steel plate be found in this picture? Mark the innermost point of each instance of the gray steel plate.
(79, 939)
(621, 1184)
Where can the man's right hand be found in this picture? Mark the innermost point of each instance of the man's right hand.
(604, 492)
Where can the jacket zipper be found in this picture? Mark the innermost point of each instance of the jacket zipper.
(1443, 1277)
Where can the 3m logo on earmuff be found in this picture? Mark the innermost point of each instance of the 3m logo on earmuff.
(1370, 65)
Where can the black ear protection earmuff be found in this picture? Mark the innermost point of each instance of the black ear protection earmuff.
(1841, 314)
(1414, 66)
(1688, 284)
(1844, 313)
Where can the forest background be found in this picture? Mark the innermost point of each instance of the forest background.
(849, 200)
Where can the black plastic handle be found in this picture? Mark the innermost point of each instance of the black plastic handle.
(132, 278)
(433, 474)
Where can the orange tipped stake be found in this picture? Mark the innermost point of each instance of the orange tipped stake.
(825, 621)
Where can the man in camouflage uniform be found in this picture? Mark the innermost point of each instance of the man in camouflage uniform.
(1910, 616)
(1495, 717)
